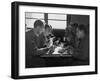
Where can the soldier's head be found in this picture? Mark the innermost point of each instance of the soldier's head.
(48, 29)
(81, 31)
(72, 26)
(39, 26)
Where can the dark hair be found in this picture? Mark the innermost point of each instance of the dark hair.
(82, 27)
(48, 26)
(74, 24)
(38, 23)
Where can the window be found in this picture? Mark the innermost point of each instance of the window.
(57, 21)
(57, 24)
(31, 17)
(57, 16)
(34, 15)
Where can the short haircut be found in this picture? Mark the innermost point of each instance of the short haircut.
(82, 27)
(48, 26)
(74, 24)
(38, 23)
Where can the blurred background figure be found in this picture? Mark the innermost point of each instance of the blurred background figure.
(70, 34)
(70, 37)
(81, 52)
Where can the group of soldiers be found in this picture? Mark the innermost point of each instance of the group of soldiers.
(41, 40)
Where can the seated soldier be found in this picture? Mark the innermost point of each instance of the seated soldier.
(81, 52)
(49, 38)
(70, 34)
(35, 40)
(48, 34)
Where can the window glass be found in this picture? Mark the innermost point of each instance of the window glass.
(34, 15)
(57, 16)
(57, 24)
(57, 21)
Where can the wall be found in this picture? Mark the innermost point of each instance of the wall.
(5, 40)
(80, 19)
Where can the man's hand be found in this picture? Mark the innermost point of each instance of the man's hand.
(51, 49)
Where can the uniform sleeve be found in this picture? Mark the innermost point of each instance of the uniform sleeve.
(82, 53)
(38, 51)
